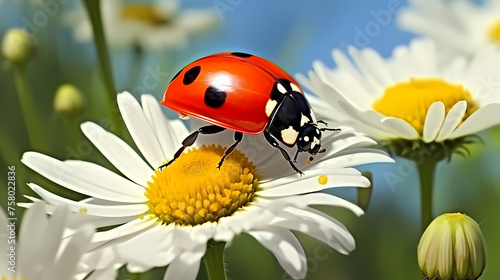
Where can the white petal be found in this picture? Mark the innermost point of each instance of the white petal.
(186, 266)
(28, 250)
(243, 220)
(388, 125)
(483, 118)
(344, 64)
(89, 209)
(344, 140)
(355, 157)
(453, 119)
(327, 230)
(118, 153)
(433, 121)
(316, 172)
(337, 235)
(140, 129)
(372, 81)
(197, 21)
(164, 129)
(320, 107)
(424, 57)
(78, 219)
(125, 229)
(324, 199)
(52, 237)
(286, 248)
(309, 183)
(68, 260)
(373, 66)
(102, 257)
(85, 177)
(120, 186)
(158, 248)
(400, 126)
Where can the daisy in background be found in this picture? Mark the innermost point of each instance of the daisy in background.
(459, 27)
(150, 26)
(190, 209)
(40, 252)
(413, 107)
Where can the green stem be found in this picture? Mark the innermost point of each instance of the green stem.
(94, 12)
(214, 260)
(28, 107)
(426, 171)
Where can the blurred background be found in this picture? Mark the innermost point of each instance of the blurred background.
(290, 33)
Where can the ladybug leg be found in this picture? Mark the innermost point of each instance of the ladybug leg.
(284, 153)
(238, 136)
(296, 155)
(188, 141)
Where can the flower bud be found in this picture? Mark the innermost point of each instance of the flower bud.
(68, 100)
(17, 45)
(452, 248)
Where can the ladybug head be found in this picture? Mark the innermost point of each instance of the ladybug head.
(309, 139)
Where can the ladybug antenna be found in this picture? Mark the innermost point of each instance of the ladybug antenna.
(323, 122)
(330, 129)
(326, 128)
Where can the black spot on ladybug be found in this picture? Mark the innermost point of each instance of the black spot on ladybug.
(191, 75)
(241, 54)
(176, 75)
(214, 97)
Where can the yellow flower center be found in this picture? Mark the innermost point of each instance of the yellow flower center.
(143, 13)
(411, 100)
(495, 31)
(192, 190)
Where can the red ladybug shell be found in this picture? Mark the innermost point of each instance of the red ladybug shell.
(230, 90)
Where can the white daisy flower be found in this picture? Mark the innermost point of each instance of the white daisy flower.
(458, 27)
(40, 253)
(167, 217)
(150, 26)
(408, 96)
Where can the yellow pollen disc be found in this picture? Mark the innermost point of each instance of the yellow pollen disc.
(494, 31)
(411, 100)
(192, 190)
(83, 210)
(322, 180)
(143, 13)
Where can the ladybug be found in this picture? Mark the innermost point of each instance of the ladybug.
(249, 95)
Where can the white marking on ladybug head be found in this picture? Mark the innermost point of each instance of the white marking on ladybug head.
(295, 87)
(270, 105)
(281, 88)
(315, 142)
(306, 138)
(304, 120)
(289, 135)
